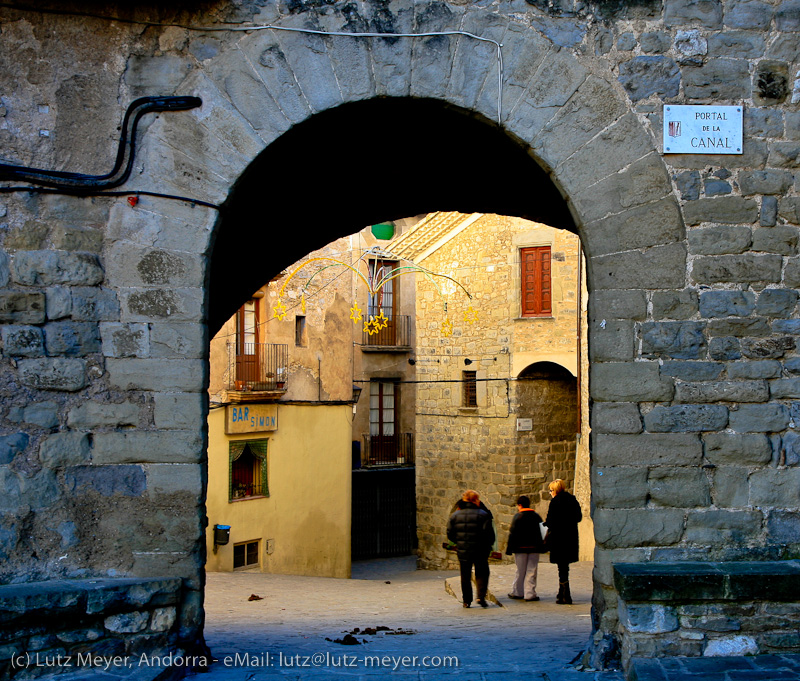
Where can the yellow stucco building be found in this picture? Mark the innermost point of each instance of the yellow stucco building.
(295, 519)
(280, 428)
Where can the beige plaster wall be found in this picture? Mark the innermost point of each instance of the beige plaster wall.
(306, 517)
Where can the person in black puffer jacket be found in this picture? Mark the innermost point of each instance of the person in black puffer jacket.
(562, 521)
(470, 529)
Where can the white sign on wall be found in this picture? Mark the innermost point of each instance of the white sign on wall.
(702, 129)
(524, 424)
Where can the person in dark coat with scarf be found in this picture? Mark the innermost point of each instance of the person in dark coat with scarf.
(525, 542)
(470, 529)
(562, 521)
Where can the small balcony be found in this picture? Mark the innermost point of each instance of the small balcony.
(388, 450)
(394, 337)
(256, 371)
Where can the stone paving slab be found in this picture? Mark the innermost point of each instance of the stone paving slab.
(746, 668)
(301, 616)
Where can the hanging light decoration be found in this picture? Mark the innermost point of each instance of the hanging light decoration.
(375, 281)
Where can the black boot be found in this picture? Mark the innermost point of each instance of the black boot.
(560, 596)
(564, 597)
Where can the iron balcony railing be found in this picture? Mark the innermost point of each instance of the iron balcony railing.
(257, 367)
(388, 450)
(395, 333)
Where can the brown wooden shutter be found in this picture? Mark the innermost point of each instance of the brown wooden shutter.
(535, 263)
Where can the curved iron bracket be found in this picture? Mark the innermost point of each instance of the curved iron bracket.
(125, 152)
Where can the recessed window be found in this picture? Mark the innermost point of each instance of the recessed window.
(470, 379)
(245, 554)
(248, 461)
(536, 284)
(300, 331)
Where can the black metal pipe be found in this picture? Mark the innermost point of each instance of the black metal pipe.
(125, 152)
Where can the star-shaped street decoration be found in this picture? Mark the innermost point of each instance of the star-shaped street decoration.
(371, 327)
(381, 321)
(355, 313)
(470, 315)
(447, 328)
(279, 310)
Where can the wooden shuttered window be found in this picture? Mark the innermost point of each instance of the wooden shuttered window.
(536, 299)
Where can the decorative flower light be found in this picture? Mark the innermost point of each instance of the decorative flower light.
(375, 282)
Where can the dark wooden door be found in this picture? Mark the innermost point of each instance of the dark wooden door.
(384, 513)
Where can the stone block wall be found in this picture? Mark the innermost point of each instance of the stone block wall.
(481, 448)
(708, 609)
(79, 626)
(101, 459)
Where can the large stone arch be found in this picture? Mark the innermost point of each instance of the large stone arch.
(259, 90)
(106, 305)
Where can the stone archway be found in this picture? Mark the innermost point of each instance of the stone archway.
(128, 401)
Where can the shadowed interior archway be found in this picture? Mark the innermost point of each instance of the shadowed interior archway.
(362, 163)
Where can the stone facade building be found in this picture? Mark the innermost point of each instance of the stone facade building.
(112, 281)
(500, 361)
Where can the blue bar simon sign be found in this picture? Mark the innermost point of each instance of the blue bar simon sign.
(251, 418)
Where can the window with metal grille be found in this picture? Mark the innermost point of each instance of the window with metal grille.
(248, 469)
(536, 284)
(470, 379)
(245, 554)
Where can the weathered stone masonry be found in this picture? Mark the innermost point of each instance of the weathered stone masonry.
(692, 260)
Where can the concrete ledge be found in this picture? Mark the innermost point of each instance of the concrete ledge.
(19, 602)
(685, 582)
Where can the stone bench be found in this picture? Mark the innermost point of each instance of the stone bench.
(76, 627)
(709, 609)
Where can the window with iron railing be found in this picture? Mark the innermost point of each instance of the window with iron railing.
(396, 449)
(394, 334)
(257, 366)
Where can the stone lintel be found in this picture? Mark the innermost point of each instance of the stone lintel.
(713, 581)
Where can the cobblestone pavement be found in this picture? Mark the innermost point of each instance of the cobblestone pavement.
(755, 668)
(298, 619)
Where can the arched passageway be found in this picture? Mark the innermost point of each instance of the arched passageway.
(381, 160)
(359, 164)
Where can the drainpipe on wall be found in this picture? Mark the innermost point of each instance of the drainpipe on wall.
(580, 356)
